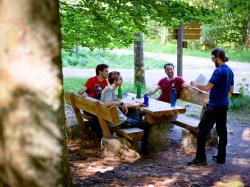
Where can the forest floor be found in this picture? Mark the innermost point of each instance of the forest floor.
(167, 167)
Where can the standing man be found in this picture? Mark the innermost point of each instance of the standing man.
(94, 85)
(166, 83)
(220, 85)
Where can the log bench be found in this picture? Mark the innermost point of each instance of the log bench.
(200, 98)
(106, 115)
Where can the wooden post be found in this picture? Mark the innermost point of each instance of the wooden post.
(180, 50)
(139, 77)
(85, 132)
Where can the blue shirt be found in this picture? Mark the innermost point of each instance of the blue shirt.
(222, 79)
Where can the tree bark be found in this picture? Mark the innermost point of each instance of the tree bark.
(247, 45)
(32, 141)
(163, 34)
(139, 77)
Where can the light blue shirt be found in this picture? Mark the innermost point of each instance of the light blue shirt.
(109, 95)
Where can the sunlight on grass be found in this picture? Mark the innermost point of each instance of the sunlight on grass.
(73, 84)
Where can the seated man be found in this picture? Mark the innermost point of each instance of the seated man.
(110, 98)
(94, 85)
(166, 83)
(93, 88)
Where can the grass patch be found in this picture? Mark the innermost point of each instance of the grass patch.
(89, 59)
(74, 84)
(238, 54)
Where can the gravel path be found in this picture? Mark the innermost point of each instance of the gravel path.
(192, 68)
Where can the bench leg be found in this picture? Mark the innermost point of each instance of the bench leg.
(81, 123)
(104, 126)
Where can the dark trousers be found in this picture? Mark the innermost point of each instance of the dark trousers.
(95, 126)
(211, 116)
(130, 123)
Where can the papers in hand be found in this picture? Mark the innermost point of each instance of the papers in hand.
(201, 79)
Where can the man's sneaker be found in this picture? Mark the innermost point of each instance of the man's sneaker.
(197, 162)
(219, 161)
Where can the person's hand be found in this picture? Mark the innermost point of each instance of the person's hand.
(124, 109)
(82, 92)
(192, 83)
(185, 85)
(137, 105)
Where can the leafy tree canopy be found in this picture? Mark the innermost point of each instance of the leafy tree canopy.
(113, 23)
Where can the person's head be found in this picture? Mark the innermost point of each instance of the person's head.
(169, 70)
(102, 70)
(114, 77)
(218, 56)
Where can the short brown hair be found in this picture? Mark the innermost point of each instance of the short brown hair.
(113, 76)
(100, 67)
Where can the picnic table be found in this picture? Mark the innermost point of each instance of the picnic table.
(159, 115)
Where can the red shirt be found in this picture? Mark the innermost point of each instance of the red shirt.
(95, 87)
(165, 86)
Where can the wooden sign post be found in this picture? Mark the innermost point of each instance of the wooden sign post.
(179, 50)
(186, 31)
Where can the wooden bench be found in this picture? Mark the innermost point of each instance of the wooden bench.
(196, 97)
(104, 114)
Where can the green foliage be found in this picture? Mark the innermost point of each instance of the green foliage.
(240, 103)
(229, 28)
(111, 23)
(244, 87)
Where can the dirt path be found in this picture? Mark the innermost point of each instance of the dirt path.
(192, 68)
(165, 168)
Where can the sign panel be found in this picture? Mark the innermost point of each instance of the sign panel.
(192, 25)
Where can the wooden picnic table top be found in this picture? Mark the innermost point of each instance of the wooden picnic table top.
(155, 107)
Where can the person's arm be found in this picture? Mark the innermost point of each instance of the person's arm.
(185, 85)
(151, 92)
(120, 104)
(107, 99)
(205, 88)
(83, 90)
(231, 90)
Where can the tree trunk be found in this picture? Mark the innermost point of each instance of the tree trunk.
(32, 142)
(139, 77)
(163, 34)
(77, 49)
(247, 45)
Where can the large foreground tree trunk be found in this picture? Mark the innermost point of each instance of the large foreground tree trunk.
(139, 77)
(32, 151)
